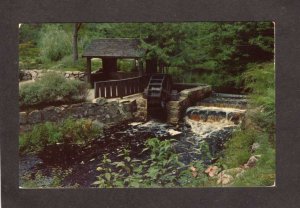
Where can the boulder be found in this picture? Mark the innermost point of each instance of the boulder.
(211, 171)
(224, 179)
(34, 117)
(233, 171)
(100, 101)
(255, 146)
(252, 161)
(51, 113)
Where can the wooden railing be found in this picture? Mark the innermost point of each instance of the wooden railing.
(120, 88)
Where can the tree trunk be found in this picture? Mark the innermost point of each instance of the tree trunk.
(75, 40)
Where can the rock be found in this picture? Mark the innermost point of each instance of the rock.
(255, 146)
(135, 123)
(212, 171)
(22, 117)
(98, 124)
(252, 161)
(240, 174)
(51, 113)
(35, 117)
(232, 171)
(173, 132)
(224, 179)
(100, 101)
(129, 106)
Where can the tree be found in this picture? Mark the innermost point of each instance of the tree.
(76, 28)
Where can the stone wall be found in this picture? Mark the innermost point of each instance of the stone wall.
(187, 98)
(102, 111)
(176, 109)
(34, 74)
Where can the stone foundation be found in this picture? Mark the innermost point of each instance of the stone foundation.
(175, 109)
(112, 111)
(105, 112)
(187, 98)
(34, 74)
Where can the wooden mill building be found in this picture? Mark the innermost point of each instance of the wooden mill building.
(110, 50)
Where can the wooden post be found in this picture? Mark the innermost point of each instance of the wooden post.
(88, 70)
(140, 67)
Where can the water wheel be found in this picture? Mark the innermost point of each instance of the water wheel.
(158, 93)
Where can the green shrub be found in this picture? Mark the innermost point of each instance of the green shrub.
(69, 131)
(50, 88)
(54, 43)
(161, 169)
(67, 64)
(260, 80)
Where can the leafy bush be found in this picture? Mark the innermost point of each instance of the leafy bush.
(50, 88)
(54, 43)
(67, 64)
(161, 169)
(260, 80)
(69, 131)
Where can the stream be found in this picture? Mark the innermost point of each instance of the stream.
(200, 136)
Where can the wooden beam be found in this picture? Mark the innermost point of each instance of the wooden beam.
(88, 69)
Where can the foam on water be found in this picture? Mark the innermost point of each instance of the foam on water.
(205, 121)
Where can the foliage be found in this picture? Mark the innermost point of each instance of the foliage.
(51, 87)
(29, 33)
(41, 180)
(54, 43)
(260, 80)
(238, 149)
(222, 48)
(161, 169)
(67, 64)
(28, 55)
(263, 174)
(126, 65)
(69, 131)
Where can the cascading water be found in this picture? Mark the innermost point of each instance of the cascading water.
(214, 124)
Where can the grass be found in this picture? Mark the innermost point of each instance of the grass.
(259, 79)
(69, 131)
(263, 174)
(237, 149)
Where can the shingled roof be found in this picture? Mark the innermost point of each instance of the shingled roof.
(114, 47)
